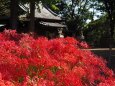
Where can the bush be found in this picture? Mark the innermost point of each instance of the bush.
(26, 61)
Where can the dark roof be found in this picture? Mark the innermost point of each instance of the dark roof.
(44, 12)
(44, 15)
(53, 24)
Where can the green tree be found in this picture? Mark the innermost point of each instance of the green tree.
(109, 8)
(77, 12)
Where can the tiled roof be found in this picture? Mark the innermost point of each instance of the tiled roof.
(52, 24)
(44, 12)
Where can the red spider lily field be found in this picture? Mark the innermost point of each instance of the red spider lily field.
(28, 61)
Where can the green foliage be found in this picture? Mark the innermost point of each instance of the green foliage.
(97, 32)
(77, 12)
(54, 7)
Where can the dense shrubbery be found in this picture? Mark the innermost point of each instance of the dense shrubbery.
(25, 61)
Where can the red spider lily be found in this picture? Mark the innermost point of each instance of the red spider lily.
(26, 61)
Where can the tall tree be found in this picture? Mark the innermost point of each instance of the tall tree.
(110, 9)
(14, 13)
(76, 13)
(32, 16)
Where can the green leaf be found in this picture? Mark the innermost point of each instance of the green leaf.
(54, 7)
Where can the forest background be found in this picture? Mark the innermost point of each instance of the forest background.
(93, 19)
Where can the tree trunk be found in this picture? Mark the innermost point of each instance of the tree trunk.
(14, 14)
(32, 17)
(109, 9)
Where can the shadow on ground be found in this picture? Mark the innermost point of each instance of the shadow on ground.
(105, 53)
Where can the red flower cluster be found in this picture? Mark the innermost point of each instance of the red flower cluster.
(25, 61)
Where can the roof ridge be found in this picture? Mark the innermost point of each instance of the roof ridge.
(50, 10)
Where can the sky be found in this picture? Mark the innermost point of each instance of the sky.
(97, 15)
